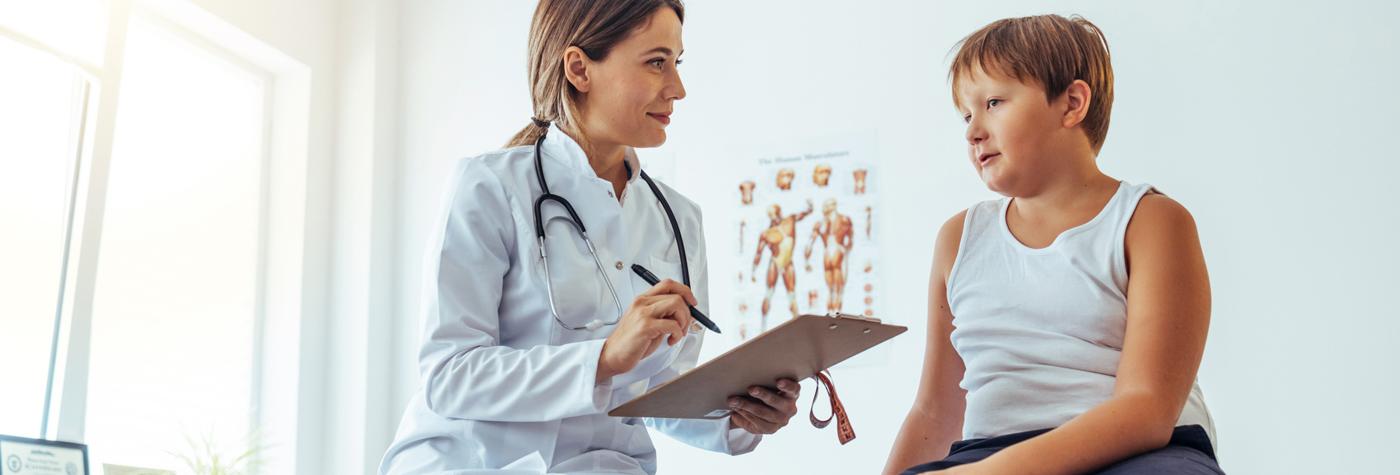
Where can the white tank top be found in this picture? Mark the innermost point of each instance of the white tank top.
(1040, 331)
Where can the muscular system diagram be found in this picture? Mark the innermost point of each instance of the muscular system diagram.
(818, 206)
(779, 240)
(837, 237)
(821, 175)
(784, 178)
(869, 218)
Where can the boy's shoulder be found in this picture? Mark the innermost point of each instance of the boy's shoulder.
(945, 248)
(1160, 223)
(1156, 210)
(952, 227)
(950, 234)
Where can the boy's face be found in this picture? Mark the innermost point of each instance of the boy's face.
(1011, 131)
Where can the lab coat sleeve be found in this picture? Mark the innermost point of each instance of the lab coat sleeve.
(465, 372)
(709, 434)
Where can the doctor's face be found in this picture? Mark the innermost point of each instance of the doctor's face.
(633, 90)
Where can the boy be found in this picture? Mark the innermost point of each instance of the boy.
(1067, 320)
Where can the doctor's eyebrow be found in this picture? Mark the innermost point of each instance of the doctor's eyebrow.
(663, 50)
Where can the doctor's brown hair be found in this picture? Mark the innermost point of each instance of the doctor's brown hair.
(1048, 50)
(595, 26)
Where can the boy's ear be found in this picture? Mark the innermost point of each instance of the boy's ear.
(1077, 98)
(576, 64)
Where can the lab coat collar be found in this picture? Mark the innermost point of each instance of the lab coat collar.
(562, 148)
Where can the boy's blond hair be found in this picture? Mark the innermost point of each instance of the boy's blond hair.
(1049, 50)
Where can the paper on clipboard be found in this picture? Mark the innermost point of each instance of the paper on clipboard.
(796, 349)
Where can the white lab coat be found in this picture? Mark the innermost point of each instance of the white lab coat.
(504, 388)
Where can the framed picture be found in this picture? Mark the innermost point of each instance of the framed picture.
(24, 456)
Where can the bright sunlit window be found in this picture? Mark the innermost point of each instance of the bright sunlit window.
(176, 300)
(40, 99)
(72, 27)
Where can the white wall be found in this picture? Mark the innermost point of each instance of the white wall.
(1269, 122)
(337, 417)
(463, 91)
(296, 43)
(359, 419)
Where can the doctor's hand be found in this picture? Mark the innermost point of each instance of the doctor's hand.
(658, 314)
(764, 410)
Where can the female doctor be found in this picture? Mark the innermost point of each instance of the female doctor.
(535, 323)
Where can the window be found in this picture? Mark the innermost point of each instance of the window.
(41, 107)
(175, 306)
(138, 294)
(74, 28)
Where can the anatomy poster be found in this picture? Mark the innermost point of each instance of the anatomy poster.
(806, 237)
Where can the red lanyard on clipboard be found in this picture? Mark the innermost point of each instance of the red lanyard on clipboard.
(844, 432)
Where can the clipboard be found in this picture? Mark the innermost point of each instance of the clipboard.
(797, 349)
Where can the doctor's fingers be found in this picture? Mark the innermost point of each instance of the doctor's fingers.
(754, 424)
(680, 310)
(758, 411)
(668, 328)
(669, 307)
(776, 399)
(741, 421)
(669, 286)
(789, 388)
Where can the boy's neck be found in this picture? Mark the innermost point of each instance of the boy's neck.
(1078, 187)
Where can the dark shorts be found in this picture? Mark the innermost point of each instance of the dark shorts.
(1188, 453)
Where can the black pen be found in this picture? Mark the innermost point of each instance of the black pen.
(651, 279)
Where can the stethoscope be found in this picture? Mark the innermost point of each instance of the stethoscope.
(577, 223)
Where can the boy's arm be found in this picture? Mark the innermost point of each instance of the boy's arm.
(935, 420)
(1168, 317)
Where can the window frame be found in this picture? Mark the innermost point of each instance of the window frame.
(279, 304)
